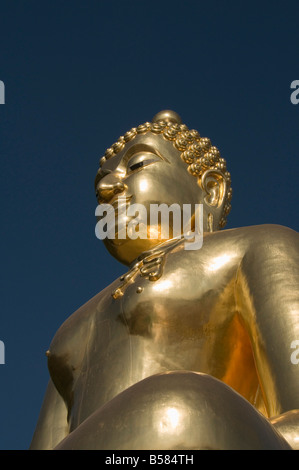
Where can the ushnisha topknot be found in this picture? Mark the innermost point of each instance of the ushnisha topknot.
(196, 151)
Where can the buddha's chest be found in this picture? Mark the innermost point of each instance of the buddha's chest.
(161, 309)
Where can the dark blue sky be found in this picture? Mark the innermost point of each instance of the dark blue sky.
(77, 76)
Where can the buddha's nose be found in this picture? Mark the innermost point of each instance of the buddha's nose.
(108, 187)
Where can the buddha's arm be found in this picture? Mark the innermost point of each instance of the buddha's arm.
(267, 295)
(52, 424)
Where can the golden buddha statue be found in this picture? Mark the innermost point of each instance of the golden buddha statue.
(191, 348)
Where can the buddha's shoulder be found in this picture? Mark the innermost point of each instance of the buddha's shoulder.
(252, 232)
(251, 237)
(232, 243)
(263, 230)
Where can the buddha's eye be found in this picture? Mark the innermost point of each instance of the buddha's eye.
(136, 165)
(141, 159)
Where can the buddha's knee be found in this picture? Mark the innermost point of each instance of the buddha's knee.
(176, 410)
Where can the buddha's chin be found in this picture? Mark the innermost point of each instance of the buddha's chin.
(127, 251)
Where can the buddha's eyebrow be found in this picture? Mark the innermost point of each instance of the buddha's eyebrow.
(140, 148)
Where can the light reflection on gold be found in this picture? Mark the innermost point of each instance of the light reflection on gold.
(219, 262)
(169, 420)
(162, 285)
(143, 186)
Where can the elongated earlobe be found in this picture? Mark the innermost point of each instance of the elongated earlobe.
(210, 223)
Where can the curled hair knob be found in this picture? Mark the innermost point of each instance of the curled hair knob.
(168, 116)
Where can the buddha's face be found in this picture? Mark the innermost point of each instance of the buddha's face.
(149, 170)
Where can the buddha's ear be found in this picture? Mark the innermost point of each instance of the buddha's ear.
(214, 185)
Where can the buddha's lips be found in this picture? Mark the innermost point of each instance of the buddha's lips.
(121, 203)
